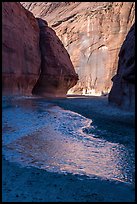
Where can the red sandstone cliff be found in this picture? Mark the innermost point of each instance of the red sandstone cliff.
(32, 60)
(57, 72)
(123, 89)
(92, 33)
(20, 49)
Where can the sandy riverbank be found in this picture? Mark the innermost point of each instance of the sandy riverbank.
(23, 184)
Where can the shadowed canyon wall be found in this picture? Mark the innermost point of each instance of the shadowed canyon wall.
(57, 72)
(20, 49)
(123, 89)
(92, 33)
(33, 57)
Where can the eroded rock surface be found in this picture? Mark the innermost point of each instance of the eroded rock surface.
(123, 89)
(20, 49)
(33, 57)
(57, 72)
(92, 33)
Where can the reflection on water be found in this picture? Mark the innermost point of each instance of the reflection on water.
(37, 133)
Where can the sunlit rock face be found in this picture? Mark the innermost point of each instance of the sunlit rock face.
(20, 49)
(123, 89)
(92, 33)
(57, 72)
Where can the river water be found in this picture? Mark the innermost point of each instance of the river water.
(37, 132)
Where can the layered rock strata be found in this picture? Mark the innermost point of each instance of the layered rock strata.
(92, 33)
(57, 72)
(123, 89)
(33, 58)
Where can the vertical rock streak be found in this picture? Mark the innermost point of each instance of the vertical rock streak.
(95, 24)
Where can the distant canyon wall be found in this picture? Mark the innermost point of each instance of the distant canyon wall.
(92, 33)
(34, 60)
(123, 89)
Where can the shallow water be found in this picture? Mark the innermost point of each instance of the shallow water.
(38, 133)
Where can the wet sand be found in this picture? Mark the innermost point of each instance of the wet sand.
(23, 184)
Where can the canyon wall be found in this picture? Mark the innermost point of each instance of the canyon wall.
(34, 60)
(123, 89)
(92, 33)
(20, 49)
(57, 72)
